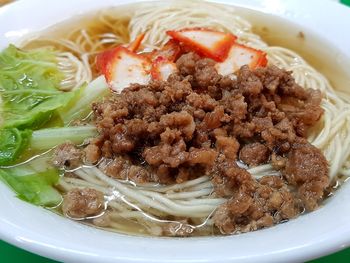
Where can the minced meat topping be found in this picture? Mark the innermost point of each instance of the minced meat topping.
(199, 122)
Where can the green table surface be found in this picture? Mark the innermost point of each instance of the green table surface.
(12, 254)
(9, 253)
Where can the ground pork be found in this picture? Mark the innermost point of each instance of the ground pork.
(254, 154)
(81, 203)
(307, 168)
(122, 168)
(257, 205)
(199, 122)
(67, 155)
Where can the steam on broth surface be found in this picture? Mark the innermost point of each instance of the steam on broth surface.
(192, 206)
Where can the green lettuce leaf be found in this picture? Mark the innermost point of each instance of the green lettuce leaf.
(29, 82)
(31, 186)
(12, 143)
(31, 109)
(35, 69)
(30, 97)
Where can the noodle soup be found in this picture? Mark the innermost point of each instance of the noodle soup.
(226, 181)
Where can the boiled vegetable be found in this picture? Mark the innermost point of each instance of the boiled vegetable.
(31, 186)
(12, 143)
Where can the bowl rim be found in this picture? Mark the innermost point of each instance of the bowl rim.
(19, 231)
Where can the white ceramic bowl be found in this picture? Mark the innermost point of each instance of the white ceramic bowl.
(40, 231)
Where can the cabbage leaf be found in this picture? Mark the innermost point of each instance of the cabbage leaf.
(29, 82)
(12, 143)
(30, 97)
(31, 186)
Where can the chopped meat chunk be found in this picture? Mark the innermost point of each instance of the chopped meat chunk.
(81, 203)
(67, 155)
(180, 120)
(122, 168)
(205, 74)
(92, 153)
(262, 206)
(229, 146)
(187, 63)
(307, 168)
(229, 178)
(249, 83)
(202, 156)
(254, 154)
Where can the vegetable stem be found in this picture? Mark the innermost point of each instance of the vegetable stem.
(47, 138)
